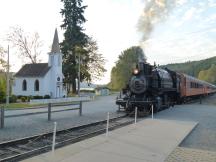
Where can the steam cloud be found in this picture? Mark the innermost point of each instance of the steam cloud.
(154, 12)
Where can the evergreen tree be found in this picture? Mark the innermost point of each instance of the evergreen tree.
(74, 38)
(76, 43)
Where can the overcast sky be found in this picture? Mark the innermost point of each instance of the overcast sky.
(188, 33)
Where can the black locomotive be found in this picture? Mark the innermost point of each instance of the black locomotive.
(149, 87)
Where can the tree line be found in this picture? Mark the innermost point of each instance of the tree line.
(202, 69)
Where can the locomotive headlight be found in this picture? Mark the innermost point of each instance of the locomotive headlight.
(135, 71)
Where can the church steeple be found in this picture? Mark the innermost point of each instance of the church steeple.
(55, 45)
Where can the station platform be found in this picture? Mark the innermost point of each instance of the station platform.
(150, 140)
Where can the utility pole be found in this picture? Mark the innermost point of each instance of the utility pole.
(79, 78)
(8, 79)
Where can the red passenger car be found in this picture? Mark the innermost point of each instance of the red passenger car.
(192, 87)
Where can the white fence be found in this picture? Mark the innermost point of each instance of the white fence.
(59, 100)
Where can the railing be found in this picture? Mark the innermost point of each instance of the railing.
(49, 111)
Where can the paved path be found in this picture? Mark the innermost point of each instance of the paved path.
(204, 135)
(148, 141)
(19, 127)
(182, 154)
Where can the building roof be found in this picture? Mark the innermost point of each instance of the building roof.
(33, 70)
(55, 45)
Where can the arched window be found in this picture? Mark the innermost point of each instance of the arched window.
(59, 60)
(24, 85)
(36, 85)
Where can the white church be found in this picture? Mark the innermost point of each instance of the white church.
(42, 79)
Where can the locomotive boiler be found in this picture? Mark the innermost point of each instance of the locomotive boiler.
(152, 87)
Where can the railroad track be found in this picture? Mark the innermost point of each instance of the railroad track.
(20, 149)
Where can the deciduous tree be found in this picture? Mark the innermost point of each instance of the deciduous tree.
(208, 75)
(2, 74)
(122, 71)
(3, 63)
(28, 46)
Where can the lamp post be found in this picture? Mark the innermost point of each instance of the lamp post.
(80, 59)
(8, 82)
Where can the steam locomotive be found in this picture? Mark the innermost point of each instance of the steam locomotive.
(155, 88)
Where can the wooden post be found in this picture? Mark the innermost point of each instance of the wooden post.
(2, 117)
(80, 108)
(49, 111)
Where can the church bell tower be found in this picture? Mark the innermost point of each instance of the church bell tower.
(55, 64)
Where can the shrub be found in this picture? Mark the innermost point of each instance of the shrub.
(38, 97)
(13, 99)
(47, 97)
(23, 99)
(29, 98)
(87, 91)
(19, 96)
(2, 97)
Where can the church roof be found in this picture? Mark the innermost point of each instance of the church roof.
(33, 70)
(55, 45)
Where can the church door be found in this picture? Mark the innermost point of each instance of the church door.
(58, 92)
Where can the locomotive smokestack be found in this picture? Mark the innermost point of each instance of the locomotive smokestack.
(141, 56)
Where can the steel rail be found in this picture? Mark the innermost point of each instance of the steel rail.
(23, 148)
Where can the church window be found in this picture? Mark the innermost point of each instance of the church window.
(36, 85)
(52, 60)
(24, 85)
(59, 60)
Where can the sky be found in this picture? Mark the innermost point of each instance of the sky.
(188, 31)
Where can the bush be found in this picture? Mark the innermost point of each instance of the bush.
(13, 99)
(23, 99)
(29, 98)
(38, 97)
(19, 96)
(47, 97)
(87, 91)
(2, 97)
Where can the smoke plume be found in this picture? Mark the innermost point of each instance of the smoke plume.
(154, 12)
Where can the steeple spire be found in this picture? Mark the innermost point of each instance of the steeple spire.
(55, 45)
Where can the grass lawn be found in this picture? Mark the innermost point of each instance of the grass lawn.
(20, 105)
